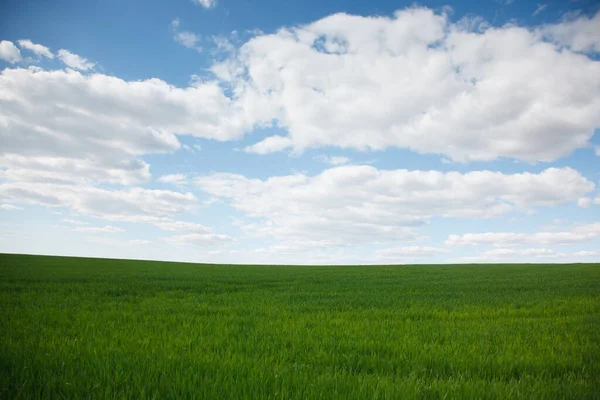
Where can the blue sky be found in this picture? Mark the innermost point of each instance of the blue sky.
(301, 132)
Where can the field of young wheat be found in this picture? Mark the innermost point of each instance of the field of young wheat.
(96, 328)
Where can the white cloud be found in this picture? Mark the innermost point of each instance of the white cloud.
(10, 207)
(9, 52)
(519, 252)
(93, 229)
(269, 145)
(75, 61)
(205, 3)
(511, 254)
(597, 150)
(200, 239)
(581, 33)
(420, 82)
(135, 205)
(185, 38)
(107, 241)
(43, 114)
(74, 170)
(173, 179)
(539, 9)
(74, 221)
(584, 202)
(578, 234)
(36, 48)
(357, 204)
(117, 205)
(409, 252)
(188, 39)
(587, 253)
(197, 147)
(332, 160)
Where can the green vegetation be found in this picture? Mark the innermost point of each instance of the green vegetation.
(93, 328)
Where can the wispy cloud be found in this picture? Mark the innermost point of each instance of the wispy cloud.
(205, 3)
(36, 48)
(105, 229)
(75, 61)
(185, 38)
(539, 9)
(10, 207)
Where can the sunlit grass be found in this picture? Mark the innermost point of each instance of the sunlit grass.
(93, 328)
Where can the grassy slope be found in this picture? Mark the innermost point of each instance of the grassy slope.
(93, 328)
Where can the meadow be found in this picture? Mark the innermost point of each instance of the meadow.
(80, 328)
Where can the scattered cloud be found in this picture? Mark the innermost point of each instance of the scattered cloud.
(173, 179)
(74, 221)
(408, 252)
(10, 207)
(578, 234)
(584, 202)
(116, 205)
(188, 39)
(185, 38)
(271, 144)
(200, 239)
(332, 160)
(91, 229)
(520, 252)
(357, 204)
(75, 61)
(539, 9)
(205, 3)
(38, 49)
(9, 52)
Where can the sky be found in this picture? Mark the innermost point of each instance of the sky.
(301, 132)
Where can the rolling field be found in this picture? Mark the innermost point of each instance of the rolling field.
(92, 328)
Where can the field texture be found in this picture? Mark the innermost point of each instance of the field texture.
(92, 328)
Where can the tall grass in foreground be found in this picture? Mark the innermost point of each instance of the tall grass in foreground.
(92, 328)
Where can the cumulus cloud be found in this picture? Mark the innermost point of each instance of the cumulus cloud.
(418, 81)
(9, 52)
(578, 234)
(357, 204)
(38, 49)
(75, 61)
(580, 33)
(269, 145)
(43, 114)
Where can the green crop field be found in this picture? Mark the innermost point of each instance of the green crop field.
(81, 328)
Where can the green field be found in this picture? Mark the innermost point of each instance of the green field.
(81, 328)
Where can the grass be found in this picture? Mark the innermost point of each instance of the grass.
(81, 328)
